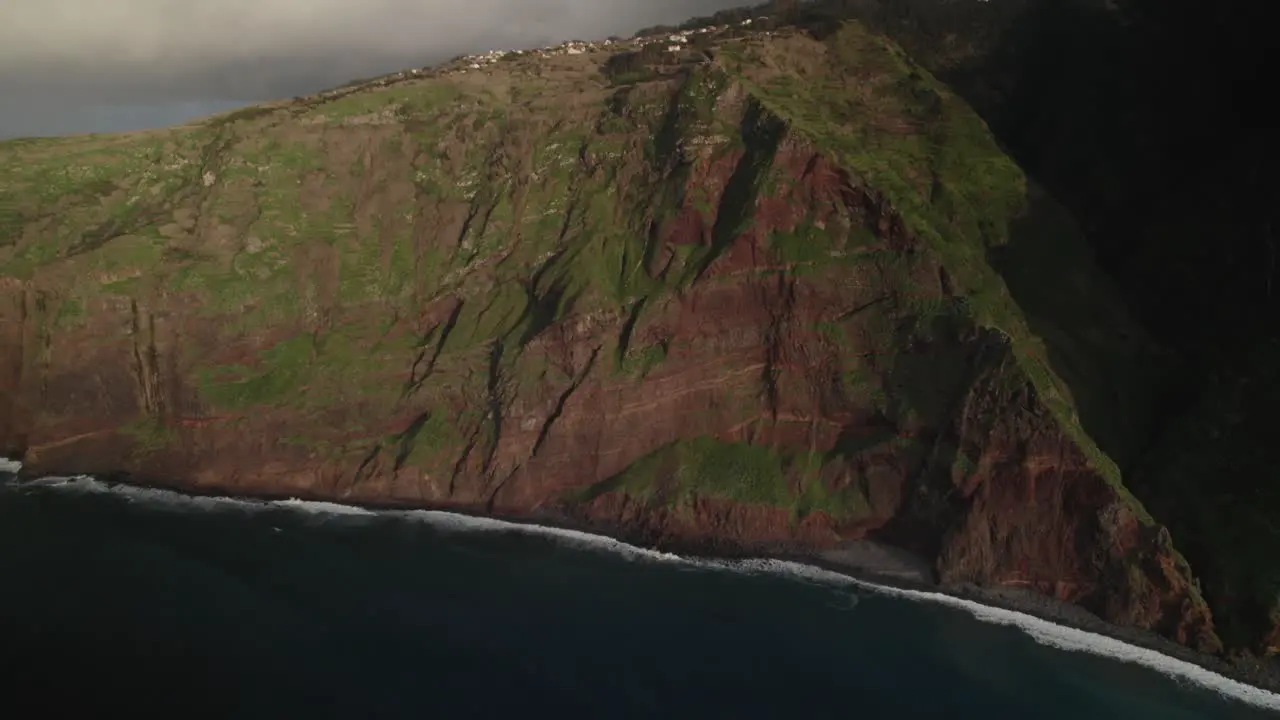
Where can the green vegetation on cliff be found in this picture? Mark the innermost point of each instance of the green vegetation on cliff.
(527, 195)
(679, 474)
(933, 158)
(426, 280)
(1143, 125)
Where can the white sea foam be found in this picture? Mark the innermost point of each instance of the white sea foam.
(160, 499)
(9, 466)
(1042, 631)
(575, 538)
(320, 508)
(1065, 638)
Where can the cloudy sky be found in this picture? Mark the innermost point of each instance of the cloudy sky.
(70, 66)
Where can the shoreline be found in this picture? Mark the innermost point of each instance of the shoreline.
(1259, 674)
(862, 561)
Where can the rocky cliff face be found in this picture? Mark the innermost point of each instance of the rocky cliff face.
(768, 292)
(1142, 124)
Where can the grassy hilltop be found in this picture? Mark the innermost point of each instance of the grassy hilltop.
(432, 278)
(540, 170)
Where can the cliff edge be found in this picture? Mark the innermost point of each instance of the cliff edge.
(751, 288)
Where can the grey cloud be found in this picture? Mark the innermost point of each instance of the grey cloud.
(60, 55)
(164, 52)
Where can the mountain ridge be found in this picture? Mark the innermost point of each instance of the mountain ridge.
(581, 253)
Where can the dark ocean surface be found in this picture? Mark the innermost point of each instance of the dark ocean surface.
(116, 600)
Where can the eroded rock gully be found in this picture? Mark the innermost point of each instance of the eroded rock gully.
(863, 363)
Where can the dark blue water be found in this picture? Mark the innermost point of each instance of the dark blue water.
(112, 602)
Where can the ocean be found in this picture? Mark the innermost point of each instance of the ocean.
(123, 600)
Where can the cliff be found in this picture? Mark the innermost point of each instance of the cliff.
(760, 290)
(1150, 131)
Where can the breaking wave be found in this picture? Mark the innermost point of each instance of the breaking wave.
(1042, 631)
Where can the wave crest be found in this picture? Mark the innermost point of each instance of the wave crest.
(1042, 631)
